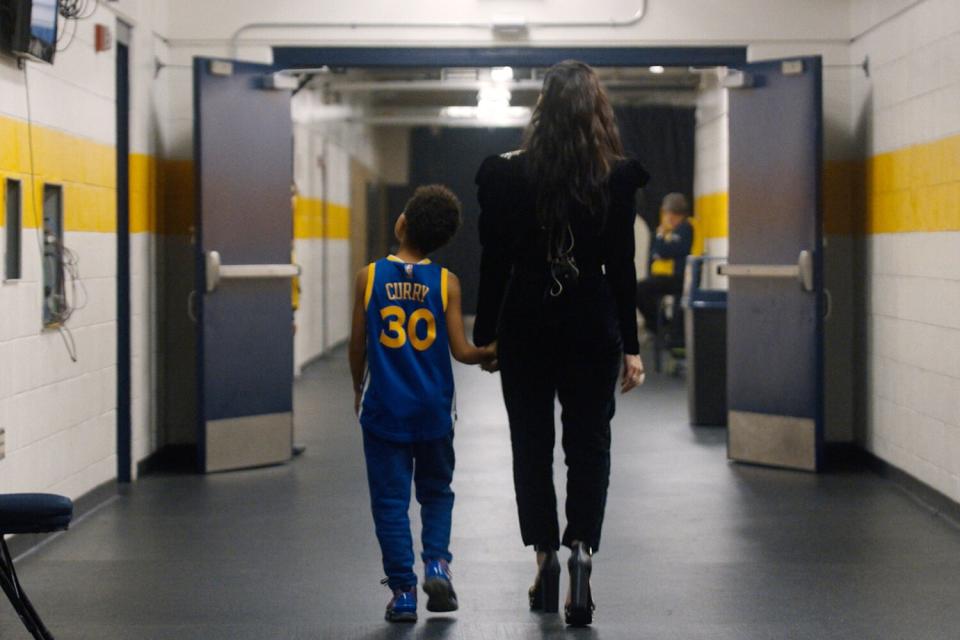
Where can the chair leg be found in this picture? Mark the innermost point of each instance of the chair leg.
(11, 586)
(658, 339)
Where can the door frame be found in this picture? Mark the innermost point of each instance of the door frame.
(361, 177)
(318, 57)
(124, 349)
(310, 58)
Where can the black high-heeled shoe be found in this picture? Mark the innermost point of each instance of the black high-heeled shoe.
(579, 611)
(545, 592)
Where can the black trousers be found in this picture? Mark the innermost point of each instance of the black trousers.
(649, 293)
(574, 356)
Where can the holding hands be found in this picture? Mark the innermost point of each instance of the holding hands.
(490, 361)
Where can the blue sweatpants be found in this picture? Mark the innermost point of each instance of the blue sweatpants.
(391, 467)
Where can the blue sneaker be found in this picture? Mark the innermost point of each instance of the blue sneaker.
(438, 584)
(403, 606)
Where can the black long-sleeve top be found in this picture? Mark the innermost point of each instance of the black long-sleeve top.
(513, 239)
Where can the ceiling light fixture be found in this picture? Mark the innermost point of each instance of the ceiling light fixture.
(493, 102)
(459, 112)
(501, 74)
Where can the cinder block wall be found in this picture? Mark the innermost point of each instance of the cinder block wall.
(908, 117)
(60, 415)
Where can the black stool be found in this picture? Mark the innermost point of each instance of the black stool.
(28, 513)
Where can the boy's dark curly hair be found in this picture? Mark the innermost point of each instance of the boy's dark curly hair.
(433, 217)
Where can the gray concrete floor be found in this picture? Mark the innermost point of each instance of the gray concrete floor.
(694, 547)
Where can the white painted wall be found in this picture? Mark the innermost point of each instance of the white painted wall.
(324, 145)
(148, 20)
(913, 279)
(207, 24)
(60, 416)
(712, 159)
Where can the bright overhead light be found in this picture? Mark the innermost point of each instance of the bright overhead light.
(501, 74)
(494, 94)
(657, 69)
(459, 112)
(493, 102)
(490, 115)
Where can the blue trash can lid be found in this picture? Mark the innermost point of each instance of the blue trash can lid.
(706, 299)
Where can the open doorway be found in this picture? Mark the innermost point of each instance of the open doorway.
(436, 125)
(350, 103)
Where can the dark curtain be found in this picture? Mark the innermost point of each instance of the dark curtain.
(663, 139)
(451, 156)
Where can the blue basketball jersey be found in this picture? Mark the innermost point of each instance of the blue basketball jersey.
(408, 391)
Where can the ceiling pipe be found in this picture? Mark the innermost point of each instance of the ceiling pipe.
(511, 23)
(429, 86)
(637, 16)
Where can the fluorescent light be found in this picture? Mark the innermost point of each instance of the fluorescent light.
(657, 69)
(459, 112)
(501, 74)
(495, 114)
(494, 94)
(493, 103)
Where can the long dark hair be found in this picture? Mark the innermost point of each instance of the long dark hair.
(571, 146)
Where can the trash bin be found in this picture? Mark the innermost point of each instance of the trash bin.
(705, 329)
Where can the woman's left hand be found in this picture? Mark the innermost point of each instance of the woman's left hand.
(633, 374)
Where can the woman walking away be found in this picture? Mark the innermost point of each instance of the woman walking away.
(558, 296)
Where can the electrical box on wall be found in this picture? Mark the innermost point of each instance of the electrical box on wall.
(102, 38)
(54, 290)
(3, 444)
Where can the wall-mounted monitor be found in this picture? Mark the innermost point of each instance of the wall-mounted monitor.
(29, 28)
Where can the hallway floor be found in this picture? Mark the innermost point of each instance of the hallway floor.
(694, 547)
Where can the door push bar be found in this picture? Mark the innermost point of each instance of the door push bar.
(802, 271)
(217, 272)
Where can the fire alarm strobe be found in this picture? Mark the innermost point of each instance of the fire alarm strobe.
(103, 39)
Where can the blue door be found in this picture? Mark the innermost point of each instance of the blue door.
(243, 145)
(775, 322)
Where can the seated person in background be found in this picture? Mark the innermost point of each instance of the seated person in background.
(668, 258)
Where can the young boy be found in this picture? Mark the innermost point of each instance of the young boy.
(406, 312)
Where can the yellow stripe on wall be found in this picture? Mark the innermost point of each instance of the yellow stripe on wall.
(161, 191)
(176, 201)
(85, 169)
(308, 219)
(144, 193)
(709, 220)
(843, 191)
(914, 189)
(907, 190)
(842, 198)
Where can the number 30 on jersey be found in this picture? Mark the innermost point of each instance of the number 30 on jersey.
(399, 329)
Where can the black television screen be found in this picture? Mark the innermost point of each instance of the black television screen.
(35, 32)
